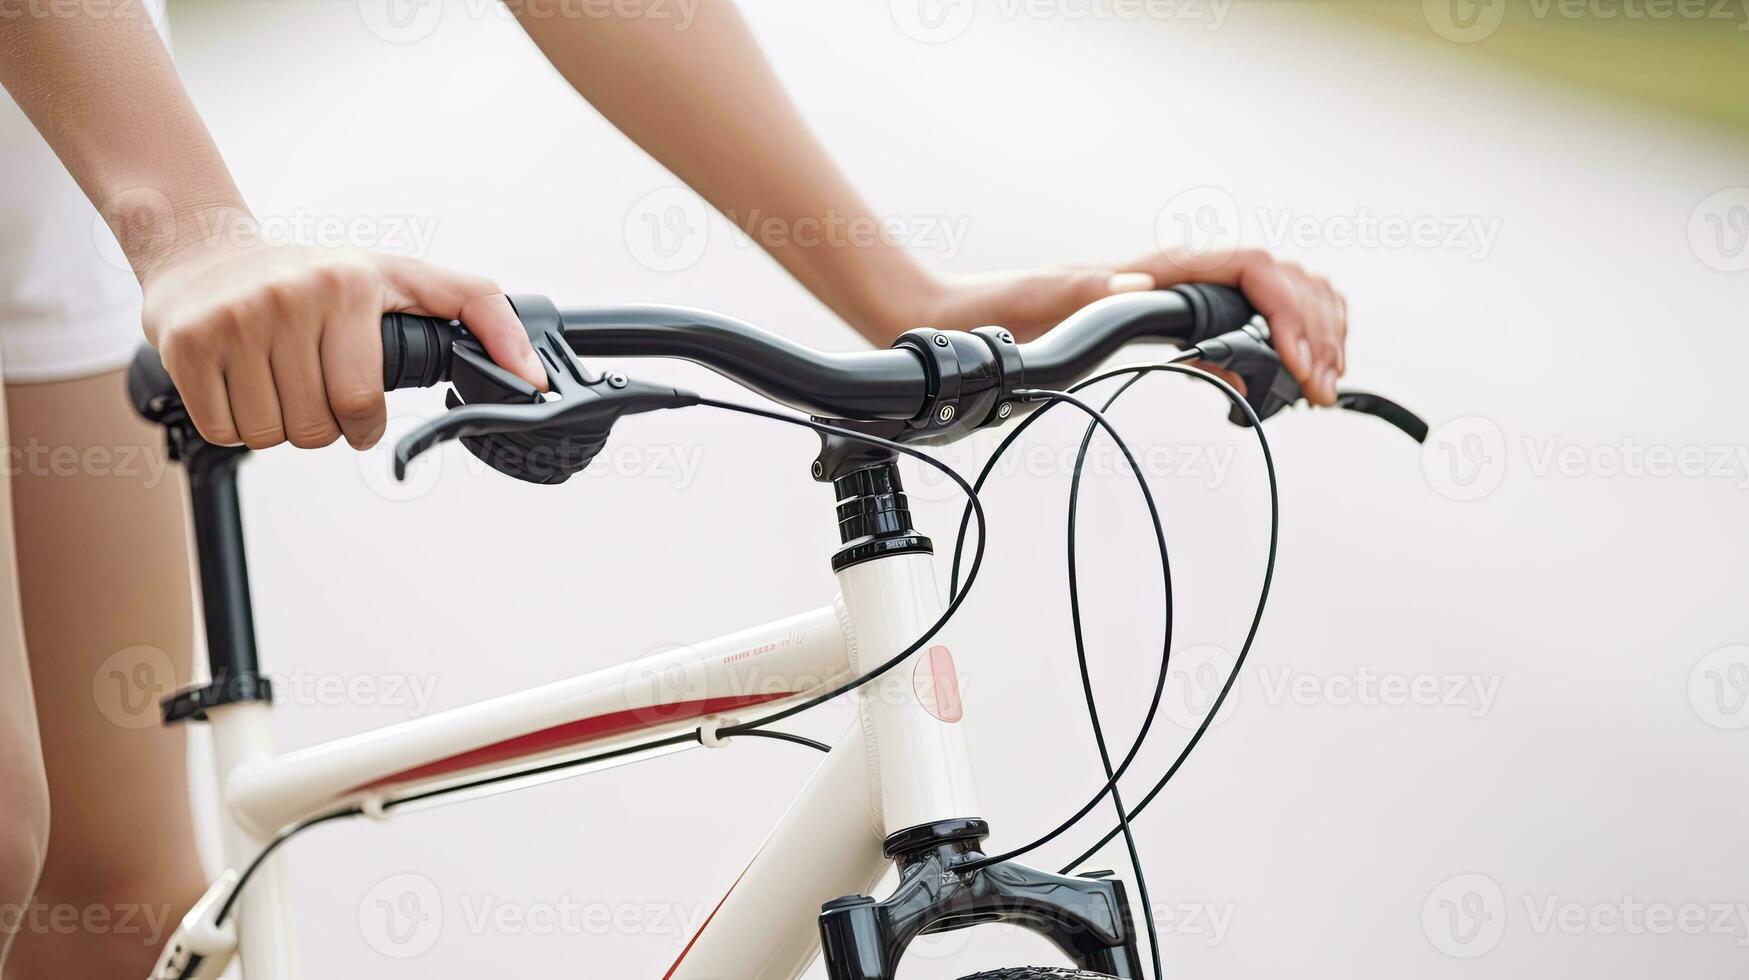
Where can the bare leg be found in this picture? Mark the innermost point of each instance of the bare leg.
(24, 793)
(104, 574)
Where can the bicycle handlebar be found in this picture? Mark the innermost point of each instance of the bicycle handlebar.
(931, 387)
(897, 383)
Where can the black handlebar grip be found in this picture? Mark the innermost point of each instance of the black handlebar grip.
(1216, 310)
(416, 349)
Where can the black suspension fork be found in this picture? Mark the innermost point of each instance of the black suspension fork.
(1086, 916)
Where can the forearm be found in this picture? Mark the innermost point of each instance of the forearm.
(101, 89)
(702, 100)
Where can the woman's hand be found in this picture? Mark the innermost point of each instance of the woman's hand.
(276, 343)
(1308, 318)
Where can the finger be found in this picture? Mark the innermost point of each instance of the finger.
(352, 357)
(201, 384)
(1229, 377)
(303, 398)
(476, 302)
(254, 401)
(1084, 286)
(1340, 303)
(1128, 282)
(1292, 324)
(1263, 281)
(1324, 333)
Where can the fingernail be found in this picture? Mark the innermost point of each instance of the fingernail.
(1329, 382)
(1129, 282)
(1304, 350)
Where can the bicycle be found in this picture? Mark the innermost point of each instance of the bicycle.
(896, 788)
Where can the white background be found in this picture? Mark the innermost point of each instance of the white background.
(1326, 834)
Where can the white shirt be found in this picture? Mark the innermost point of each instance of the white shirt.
(69, 305)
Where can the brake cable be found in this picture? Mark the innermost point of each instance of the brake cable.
(1117, 802)
(1097, 421)
(1256, 616)
(1124, 817)
(1160, 684)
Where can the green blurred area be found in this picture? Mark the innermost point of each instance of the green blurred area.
(1688, 55)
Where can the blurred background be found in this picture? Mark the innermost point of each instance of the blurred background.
(1496, 723)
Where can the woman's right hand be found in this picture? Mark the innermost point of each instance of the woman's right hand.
(277, 343)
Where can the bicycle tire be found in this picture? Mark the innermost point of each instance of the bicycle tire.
(1039, 973)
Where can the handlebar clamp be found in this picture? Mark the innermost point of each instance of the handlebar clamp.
(969, 378)
(965, 381)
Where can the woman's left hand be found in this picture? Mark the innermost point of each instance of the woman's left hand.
(1308, 318)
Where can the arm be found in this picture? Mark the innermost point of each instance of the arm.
(266, 342)
(684, 96)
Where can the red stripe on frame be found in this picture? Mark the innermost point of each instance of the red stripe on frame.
(702, 926)
(574, 733)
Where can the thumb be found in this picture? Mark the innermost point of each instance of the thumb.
(416, 287)
(1128, 282)
(1083, 286)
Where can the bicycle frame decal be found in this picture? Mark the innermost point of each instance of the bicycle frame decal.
(938, 684)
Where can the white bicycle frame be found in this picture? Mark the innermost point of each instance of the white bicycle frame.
(900, 782)
(904, 765)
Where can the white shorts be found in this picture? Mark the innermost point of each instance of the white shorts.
(69, 305)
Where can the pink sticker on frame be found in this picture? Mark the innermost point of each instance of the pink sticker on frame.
(937, 685)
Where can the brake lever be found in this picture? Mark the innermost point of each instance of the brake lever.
(462, 421)
(584, 418)
(512, 427)
(1270, 387)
